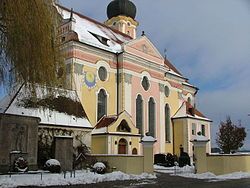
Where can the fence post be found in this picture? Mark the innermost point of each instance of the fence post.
(200, 155)
(148, 159)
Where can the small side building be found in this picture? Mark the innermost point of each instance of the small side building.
(188, 122)
(116, 135)
(61, 114)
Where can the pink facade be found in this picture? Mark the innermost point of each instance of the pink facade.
(155, 94)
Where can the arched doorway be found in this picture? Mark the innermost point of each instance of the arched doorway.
(122, 146)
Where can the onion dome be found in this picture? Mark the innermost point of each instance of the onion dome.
(121, 7)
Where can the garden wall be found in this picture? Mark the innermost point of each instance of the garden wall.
(224, 164)
(219, 163)
(131, 164)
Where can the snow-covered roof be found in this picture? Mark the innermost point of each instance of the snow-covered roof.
(148, 139)
(200, 138)
(16, 104)
(90, 31)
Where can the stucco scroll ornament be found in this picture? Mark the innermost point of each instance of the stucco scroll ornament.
(89, 79)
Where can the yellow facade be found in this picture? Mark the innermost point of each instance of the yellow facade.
(106, 142)
(179, 132)
(173, 102)
(89, 96)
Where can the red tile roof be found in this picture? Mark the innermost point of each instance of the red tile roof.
(105, 121)
(171, 66)
(190, 110)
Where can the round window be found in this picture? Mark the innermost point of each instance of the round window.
(145, 83)
(166, 91)
(102, 73)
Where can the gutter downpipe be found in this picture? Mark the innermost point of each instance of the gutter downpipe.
(117, 82)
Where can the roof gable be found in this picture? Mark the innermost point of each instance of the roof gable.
(144, 48)
(112, 123)
(188, 111)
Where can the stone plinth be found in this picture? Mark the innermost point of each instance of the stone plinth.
(18, 134)
(64, 151)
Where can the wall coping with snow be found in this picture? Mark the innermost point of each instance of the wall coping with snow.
(228, 155)
(115, 155)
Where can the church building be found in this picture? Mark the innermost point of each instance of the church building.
(127, 88)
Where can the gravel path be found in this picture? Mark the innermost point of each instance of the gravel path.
(165, 181)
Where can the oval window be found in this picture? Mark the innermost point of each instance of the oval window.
(145, 83)
(102, 73)
(166, 91)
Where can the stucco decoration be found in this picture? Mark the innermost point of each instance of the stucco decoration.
(161, 87)
(78, 68)
(19, 135)
(128, 78)
(90, 79)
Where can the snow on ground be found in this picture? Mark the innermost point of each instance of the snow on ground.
(188, 172)
(174, 169)
(81, 177)
(212, 177)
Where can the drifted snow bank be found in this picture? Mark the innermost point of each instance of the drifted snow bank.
(211, 177)
(58, 179)
(188, 172)
(174, 169)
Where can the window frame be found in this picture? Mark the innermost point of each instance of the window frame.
(152, 114)
(141, 129)
(102, 105)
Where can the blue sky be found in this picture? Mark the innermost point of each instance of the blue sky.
(208, 41)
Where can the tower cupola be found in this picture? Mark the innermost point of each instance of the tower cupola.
(121, 16)
(121, 7)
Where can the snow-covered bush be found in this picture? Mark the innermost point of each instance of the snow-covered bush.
(99, 168)
(53, 166)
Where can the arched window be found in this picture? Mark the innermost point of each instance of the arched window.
(167, 123)
(139, 114)
(122, 146)
(189, 100)
(151, 117)
(102, 104)
(134, 151)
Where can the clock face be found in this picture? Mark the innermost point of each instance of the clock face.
(90, 79)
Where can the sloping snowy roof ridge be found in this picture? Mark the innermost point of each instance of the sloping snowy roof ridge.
(48, 107)
(87, 28)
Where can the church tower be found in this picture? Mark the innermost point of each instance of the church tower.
(121, 16)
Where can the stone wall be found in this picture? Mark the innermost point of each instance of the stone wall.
(18, 134)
